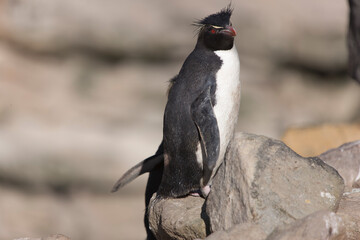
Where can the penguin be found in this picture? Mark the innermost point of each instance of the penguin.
(200, 114)
(199, 119)
(202, 109)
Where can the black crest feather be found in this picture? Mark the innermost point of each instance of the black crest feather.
(218, 19)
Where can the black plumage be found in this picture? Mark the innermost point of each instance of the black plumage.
(189, 118)
(218, 19)
(182, 172)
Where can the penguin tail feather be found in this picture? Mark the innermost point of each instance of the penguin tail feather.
(142, 167)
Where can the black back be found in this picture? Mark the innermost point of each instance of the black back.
(152, 186)
(182, 173)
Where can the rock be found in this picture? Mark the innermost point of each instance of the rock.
(262, 184)
(57, 237)
(180, 218)
(346, 160)
(353, 43)
(317, 226)
(350, 203)
(52, 237)
(265, 182)
(312, 141)
(26, 238)
(345, 224)
(79, 216)
(93, 27)
(121, 28)
(349, 211)
(246, 231)
(323, 224)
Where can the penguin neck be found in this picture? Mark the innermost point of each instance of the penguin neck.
(214, 44)
(229, 53)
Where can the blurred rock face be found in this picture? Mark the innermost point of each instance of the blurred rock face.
(315, 140)
(83, 85)
(346, 160)
(353, 39)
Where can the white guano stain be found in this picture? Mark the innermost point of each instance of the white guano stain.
(358, 176)
(327, 195)
(332, 221)
(354, 190)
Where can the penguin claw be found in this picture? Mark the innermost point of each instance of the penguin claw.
(195, 194)
(205, 191)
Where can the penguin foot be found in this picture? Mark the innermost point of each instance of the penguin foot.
(205, 191)
(195, 193)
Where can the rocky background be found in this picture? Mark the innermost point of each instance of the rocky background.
(83, 87)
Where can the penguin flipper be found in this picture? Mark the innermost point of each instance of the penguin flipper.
(142, 167)
(203, 115)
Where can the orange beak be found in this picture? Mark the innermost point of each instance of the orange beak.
(229, 30)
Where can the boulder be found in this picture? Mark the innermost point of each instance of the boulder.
(180, 218)
(317, 226)
(343, 225)
(245, 231)
(264, 181)
(261, 184)
(349, 211)
(346, 160)
(52, 237)
(57, 237)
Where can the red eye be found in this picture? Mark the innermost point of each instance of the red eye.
(213, 31)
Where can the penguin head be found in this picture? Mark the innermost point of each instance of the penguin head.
(216, 31)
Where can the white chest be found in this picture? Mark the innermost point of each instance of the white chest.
(227, 101)
(227, 97)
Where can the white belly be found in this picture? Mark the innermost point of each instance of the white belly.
(227, 98)
(227, 102)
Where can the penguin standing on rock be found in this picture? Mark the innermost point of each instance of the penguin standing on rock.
(202, 109)
(200, 115)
